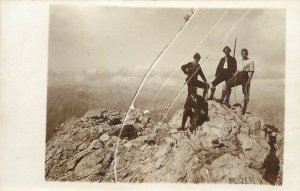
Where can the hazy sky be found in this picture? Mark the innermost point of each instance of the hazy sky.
(118, 45)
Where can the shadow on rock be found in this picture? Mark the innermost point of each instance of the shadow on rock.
(271, 163)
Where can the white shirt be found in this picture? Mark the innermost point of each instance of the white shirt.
(225, 64)
(194, 65)
(246, 65)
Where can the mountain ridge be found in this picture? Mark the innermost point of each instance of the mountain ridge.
(229, 148)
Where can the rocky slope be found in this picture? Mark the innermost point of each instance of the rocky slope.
(229, 148)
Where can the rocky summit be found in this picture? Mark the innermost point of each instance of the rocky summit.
(228, 148)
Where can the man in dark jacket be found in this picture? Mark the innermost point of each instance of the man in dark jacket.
(225, 70)
(194, 104)
(192, 70)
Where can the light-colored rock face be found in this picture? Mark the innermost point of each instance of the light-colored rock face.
(229, 148)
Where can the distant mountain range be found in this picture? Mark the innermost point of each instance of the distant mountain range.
(65, 102)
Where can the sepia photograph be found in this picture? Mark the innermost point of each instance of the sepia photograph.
(165, 95)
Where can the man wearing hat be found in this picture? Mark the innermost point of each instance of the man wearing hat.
(194, 104)
(225, 70)
(192, 70)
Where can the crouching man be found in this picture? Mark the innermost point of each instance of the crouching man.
(193, 108)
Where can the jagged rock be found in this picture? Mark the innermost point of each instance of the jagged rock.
(89, 164)
(229, 148)
(105, 137)
(99, 121)
(139, 141)
(84, 119)
(176, 119)
(114, 120)
(230, 169)
(145, 120)
(128, 145)
(83, 146)
(173, 131)
(96, 144)
(170, 141)
(143, 147)
(128, 131)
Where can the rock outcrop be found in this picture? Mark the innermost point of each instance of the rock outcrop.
(229, 148)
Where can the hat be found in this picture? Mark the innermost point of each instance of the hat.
(226, 47)
(197, 55)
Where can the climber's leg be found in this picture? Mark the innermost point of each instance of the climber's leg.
(222, 97)
(214, 83)
(212, 92)
(233, 82)
(186, 114)
(246, 91)
(199, 84)
(243, 79)
(205, 91)
(228, 92)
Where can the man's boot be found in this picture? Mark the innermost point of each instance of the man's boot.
(245, 106)
(184, 119)
(205, 91)
(193, 122)
(228, 92)
(222, 97)
(205, 108)
(212, 92)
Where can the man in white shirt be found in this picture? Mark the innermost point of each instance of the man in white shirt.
(242, 76)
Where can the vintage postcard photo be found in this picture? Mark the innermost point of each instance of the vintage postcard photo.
(165, 95)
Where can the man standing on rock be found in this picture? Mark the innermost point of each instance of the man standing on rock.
(225, 71)
(242, 77)
(194, 104)
(192, 70)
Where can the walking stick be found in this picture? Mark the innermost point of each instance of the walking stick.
(235, 78)
(234, 47)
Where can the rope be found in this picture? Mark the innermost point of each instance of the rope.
(200, 43)
(213, 50)
(140, 86)
(202, 19)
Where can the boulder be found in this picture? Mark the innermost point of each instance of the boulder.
(105, 137)
(114, 120)
(89, 164)
(232, 170)
(128, 131)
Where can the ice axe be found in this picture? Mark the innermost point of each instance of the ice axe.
(234, 47)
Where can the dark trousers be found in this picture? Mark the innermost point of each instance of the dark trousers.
(198, 84)
(224, 76)
(240, 79)
(199, 118)
(187, 113)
